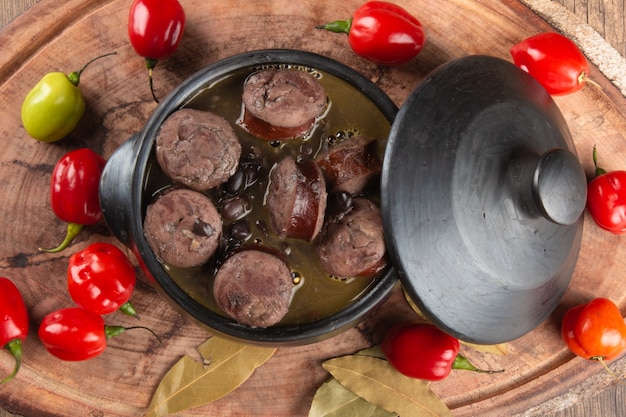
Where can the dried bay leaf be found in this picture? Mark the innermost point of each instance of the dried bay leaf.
(499, 349)
(334, 400)
(377, 382)
(374, 351)
(227, 364)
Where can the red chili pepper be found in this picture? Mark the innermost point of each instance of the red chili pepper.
(101, 279)
(423, 351)
(606, 198)
(74, 192)
(554, 61)
(382, 32)
(595, 330)
(75, 334)
(13, 323)
(155, 28)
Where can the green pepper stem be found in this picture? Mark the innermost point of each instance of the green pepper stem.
(74, 77)
(129, 309)
(15, 348)
(112, 331)
(599, 171)
(338, 26)
(461, 363)
(150, 64)
(73, 229)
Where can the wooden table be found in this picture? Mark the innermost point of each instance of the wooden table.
(606, 17)
(609, 401)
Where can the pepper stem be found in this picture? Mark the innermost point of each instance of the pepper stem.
(583, 77)
(73, 229)
(15, 348)
(461, 363)
(74, 77)
(338, 26)
(599, 171)
(609, 370)
(112, 331)
(129, 309)
(150, 64)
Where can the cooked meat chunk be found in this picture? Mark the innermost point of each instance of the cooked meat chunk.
(281, 104)
(353, 243)
(254, 288)
(350, 164)
(296, 199)
(198, 149)
(183, 228)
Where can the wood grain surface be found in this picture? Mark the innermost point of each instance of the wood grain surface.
(606, 17)
(9, 9)
(542, 377)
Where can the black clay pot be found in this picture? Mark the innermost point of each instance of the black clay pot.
(481, 192)
(123, 201)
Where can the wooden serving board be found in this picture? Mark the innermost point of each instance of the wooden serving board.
(64, 34)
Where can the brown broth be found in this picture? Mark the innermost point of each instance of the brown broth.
(316, 295)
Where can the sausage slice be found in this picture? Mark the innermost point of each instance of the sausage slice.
(198, 149)
(254, 288)
(281, 104)
(353, 244)
(350, 164)
(296, 199)
(183, 228)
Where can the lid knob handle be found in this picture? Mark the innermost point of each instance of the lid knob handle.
(559, 186)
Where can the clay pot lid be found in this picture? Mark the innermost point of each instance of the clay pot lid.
(482, 200)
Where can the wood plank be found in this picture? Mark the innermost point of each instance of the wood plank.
(607, 17)
(595, 15)
(11, 8)
(614, 24)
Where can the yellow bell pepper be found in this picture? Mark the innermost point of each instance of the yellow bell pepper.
(55, 105)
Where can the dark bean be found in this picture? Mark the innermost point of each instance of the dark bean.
(234, 246)
(339, 202)
(201, 228)
(253, 154)
(251, 172)
(236, 207)
(344, 200)
(240, 230)
(236, 182)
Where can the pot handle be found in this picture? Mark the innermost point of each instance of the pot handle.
(553, 185)
(116, 189)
